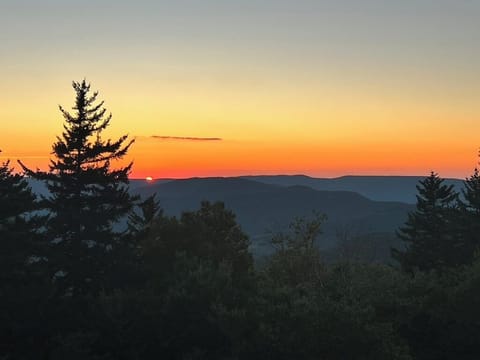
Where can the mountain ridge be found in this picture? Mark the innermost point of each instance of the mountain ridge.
(375, 187)
(263, 209)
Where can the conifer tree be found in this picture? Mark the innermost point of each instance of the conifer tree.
(17, 225)
(429, 236)
(87, 197)
(139, 223)
(470, 215)
(471, 193)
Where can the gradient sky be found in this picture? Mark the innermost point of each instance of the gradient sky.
(324, 88)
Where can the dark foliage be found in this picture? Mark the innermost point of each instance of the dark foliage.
(429, 233)
(469, 222)
(22, 287)
(87, 197)
(17, 225)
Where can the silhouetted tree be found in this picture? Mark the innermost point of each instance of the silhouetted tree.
(210, 233)
(297, 260)
(139, 222)
(469, 223)
(17, 225)
(86, 197)
(429, 234)
(471, 193)
(22, 285)
(201, 274)
(309, 310)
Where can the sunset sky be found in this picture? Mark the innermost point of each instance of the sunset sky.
(233, 87)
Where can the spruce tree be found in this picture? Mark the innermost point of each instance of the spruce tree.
(17, 226)
(429, 232)
(470, 215)
(471, 193)
(87, 198)
(140, 222)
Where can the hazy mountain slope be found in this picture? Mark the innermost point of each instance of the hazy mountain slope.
(379, 188)
(263, 208)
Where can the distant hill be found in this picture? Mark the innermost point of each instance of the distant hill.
(356, 206)
(379, 188)
(263, 208)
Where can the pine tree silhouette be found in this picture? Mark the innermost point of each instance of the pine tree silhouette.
(470, 215)
(87, 197)
(17, 225)
(428, 233)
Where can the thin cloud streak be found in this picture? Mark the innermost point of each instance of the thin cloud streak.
(184, 138)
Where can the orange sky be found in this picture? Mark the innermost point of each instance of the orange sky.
(318, 88)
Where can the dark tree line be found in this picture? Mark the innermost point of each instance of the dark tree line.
(444, 230)
(75, 285)
(16, 227)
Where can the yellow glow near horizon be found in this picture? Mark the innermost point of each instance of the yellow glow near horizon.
(318, 152)
(279, 132)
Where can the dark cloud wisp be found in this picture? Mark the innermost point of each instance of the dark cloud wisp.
(185, 138)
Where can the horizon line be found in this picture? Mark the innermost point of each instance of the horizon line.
(287, 175)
